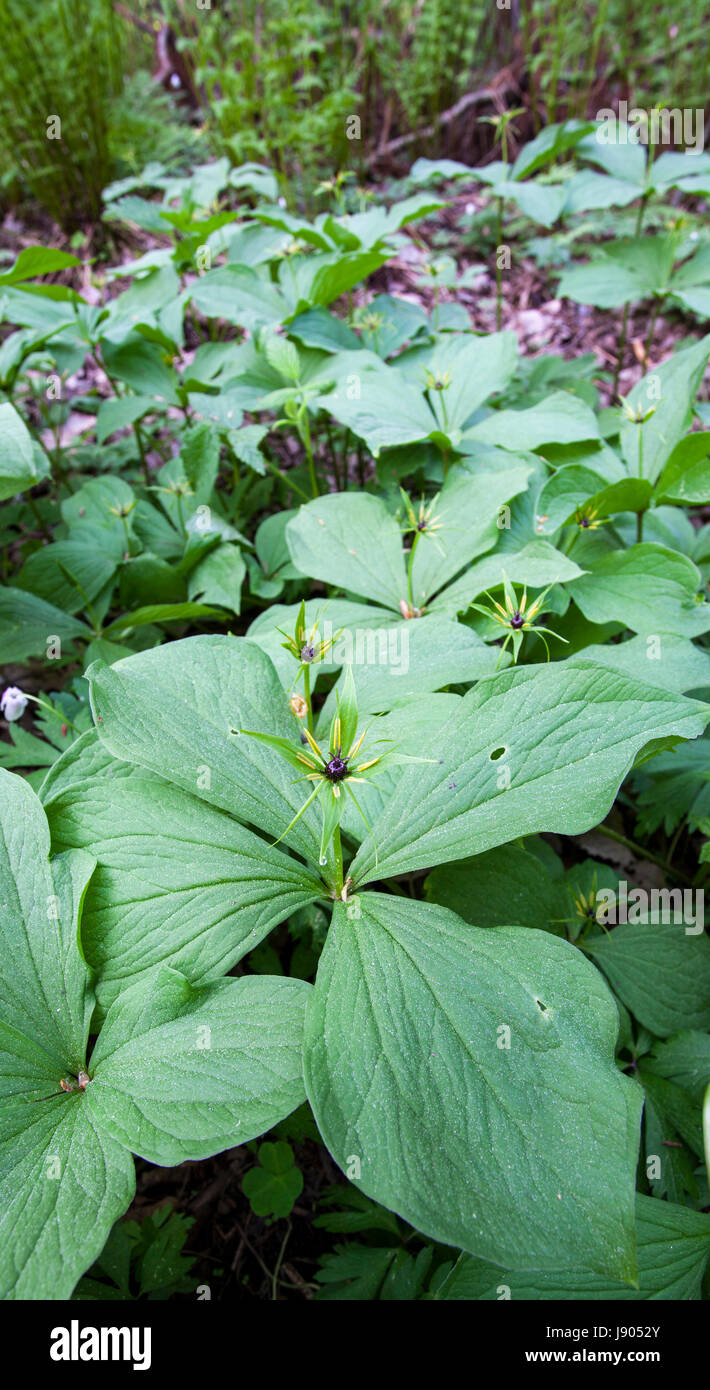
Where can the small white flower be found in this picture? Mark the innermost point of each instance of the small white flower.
(13, 703)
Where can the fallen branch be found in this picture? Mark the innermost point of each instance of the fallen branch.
(493, 93)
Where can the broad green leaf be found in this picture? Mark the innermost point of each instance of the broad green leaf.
(473, 368)
(219, 577)
(176, 880)
(84, 759)
(118, 412)
(678, 1109)
(696, 298)
(144, 576)
(560, 419)
(63, 1184)
(182, 1071)
(22, 462)
(141, 364)
(381, 408)
(649, 588)
(604, 283)
(28, 625)
(68, 573)
(587, 189)
(199, 456)
(245, 443)
(685, 1059)
(659, 971)
(159, 613)
(613, 147)
(492, 888)
(579, 488)
(686, 476)
(552, 141)
(240, 295)
(673, 1248)
(670, 391)
(408, 997)
(352, 540)
(270, 543)
(535, 566)
(394, 322)
(41, 908)
(393, 664)
(37, 260)
(671, 662)
(171, 710)
(320, 284)
(669, 1119)
(282, 355)
(539, 748)
(96, 507)
(466, 516)
(542, 203)
(320, 328)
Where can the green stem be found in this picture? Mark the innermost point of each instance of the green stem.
(307, 696)
(277, 1268)
(410, 571)
(624, 322)
(338, 856)
(654, 319)
(38, 517)
(639, 850)
(305, 431)
(141, 451)
(278, 472)
(49, 709)
(499, 271)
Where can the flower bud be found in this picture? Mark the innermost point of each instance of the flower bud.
(13, 703)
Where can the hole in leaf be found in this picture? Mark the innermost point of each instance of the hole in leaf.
(498, 753)
(542, 1007)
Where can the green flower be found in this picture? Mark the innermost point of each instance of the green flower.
(302, 644)
(588, 519)
(517, 617)
(334, 769)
